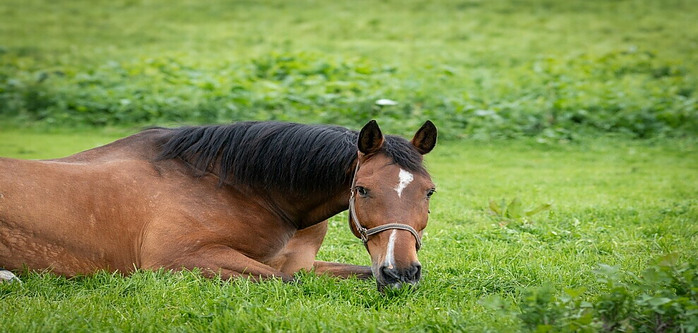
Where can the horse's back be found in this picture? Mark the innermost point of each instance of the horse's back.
(140, 146)
(55, 213)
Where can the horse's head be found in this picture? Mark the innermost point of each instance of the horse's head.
(389, 205)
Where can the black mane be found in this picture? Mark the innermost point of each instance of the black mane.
(274, 155)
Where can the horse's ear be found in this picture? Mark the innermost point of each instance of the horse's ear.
(425, 138)
(370, 138)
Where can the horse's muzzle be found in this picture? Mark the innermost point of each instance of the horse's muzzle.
(396, 278)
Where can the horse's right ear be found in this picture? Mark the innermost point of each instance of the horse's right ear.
(370, 138)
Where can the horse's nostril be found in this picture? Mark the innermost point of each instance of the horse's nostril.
(390, 275)
(410, 274)
(414, 273)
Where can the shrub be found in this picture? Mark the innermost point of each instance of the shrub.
(629, 92)
(663, 299)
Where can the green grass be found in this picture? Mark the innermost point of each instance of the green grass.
(615, 202)
(571, 81)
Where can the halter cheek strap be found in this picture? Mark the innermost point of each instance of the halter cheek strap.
(366, 233)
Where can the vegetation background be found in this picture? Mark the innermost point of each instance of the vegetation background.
(477, 68)
(566, 171)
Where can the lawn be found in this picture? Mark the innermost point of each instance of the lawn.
(566, 169)
(616, 208)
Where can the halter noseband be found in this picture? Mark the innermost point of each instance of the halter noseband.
(366, 233)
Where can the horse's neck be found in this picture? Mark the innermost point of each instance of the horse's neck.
(310, 208)
(332, 206)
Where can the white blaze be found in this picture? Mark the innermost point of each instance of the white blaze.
(390, 252)
(405, 179)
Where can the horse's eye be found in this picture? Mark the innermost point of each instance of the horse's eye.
(430, 193)
(362, 191)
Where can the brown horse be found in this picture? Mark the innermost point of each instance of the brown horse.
(248, 199)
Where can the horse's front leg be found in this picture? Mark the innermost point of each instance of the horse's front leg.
(300, 254)
(342, 270)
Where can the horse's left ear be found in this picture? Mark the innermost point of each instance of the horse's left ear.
(425, 138)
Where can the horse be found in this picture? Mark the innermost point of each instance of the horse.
(247, 199)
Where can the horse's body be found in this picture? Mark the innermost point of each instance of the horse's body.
(248, 199)
(82, 213)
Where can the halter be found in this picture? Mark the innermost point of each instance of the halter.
(366, 233)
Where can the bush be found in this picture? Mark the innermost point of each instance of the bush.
(663, 299)
(629, 92)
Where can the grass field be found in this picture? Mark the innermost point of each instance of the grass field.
(567, 170)
(619, 203)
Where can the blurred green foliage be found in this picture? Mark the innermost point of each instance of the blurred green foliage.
(499, 69)
(619, 92)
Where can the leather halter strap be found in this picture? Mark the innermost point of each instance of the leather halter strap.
(365, 233)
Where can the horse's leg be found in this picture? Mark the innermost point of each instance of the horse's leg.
(299, 253)
(342, 270)
(7, 276)
(301, 250)
(219, 260)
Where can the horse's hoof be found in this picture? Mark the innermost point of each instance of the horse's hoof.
(7, 276)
